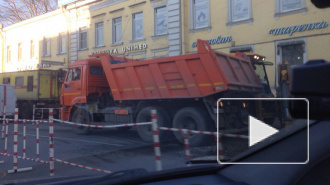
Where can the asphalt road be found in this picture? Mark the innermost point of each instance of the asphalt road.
(105, 149)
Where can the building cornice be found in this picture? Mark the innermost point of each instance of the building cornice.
(34, 19)
(105, 4)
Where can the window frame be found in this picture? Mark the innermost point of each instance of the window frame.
(61, 37)
(32, 49)
(133, 27)
(20, 52)
(81, 31)
(45, 49)
(155, 20)
(278, 56)
(8, 53)
(193, 28)
(231, 22)
(29, 87)
(114, 33)
(6, 80)
(97, 34)
(16, 80)
(279, 12)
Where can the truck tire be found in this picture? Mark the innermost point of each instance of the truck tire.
(25, 111)
(193, 118)
(145, 131)
(80, 116)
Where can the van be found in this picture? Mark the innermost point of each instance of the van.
(7, 99)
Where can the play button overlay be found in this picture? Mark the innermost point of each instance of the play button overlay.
(259, 131)
(262, 131)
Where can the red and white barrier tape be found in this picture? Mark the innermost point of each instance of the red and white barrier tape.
(102, 126)
(51, 143)
(24, 138)
(203, 132)
(37, 139)
(156, 140)
(81, 166)
(15, 140)
(25, 158)
(27, 120)
(188, 131)
(186, 146)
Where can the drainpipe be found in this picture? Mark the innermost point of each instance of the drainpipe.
(183, 40)
(67, 35)
(2, 47)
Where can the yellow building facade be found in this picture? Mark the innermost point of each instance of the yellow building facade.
(39, 42)
(282, 30)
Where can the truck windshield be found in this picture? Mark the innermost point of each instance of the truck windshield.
(261, 73)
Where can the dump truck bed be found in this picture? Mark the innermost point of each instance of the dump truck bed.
(195, 75)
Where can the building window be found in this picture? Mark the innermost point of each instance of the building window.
(46, 47)
(284, 7)
(62, 43)
(293, 52)
(161, 21)
(19, 81)
(20, 51)
(6, 80)
(8, 54)
(138, 26)
(200, 14)
(83, 38)
(116, 30)
(239, 11)
(33, 49)
(99, 34)
(30, 83)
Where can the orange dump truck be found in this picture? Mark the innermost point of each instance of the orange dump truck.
(184, 89)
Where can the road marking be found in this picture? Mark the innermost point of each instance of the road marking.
(61, 138)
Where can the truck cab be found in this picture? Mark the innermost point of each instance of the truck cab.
(259, 64)
(85, 81)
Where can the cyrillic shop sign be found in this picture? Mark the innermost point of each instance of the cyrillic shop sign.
(298, 28)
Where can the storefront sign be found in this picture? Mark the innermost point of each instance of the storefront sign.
(300, 28)
(123, 49)
(217, 40)
(32, 65)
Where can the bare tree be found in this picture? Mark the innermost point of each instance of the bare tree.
(13, 11)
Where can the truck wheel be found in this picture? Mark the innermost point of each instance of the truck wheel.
(80, 116)
(145, 131)
(193, 119)
(25, 111)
